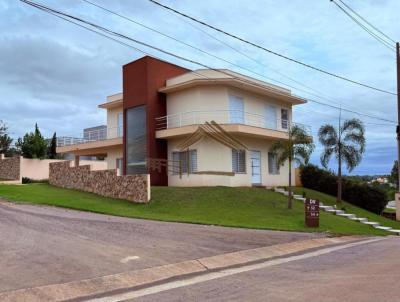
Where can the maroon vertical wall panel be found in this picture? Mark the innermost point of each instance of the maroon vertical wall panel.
(141, 81)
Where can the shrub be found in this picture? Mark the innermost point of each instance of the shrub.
(26, 180)
(362, 195)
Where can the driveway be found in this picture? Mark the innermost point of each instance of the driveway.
(45, 245)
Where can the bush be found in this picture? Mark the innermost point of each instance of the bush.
(362, 195)
(26, 180)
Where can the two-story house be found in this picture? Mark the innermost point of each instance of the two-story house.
(158, 115)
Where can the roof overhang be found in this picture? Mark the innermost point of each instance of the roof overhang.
(245, 85)
(110, 105)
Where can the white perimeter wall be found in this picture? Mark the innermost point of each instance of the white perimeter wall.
(38, 169)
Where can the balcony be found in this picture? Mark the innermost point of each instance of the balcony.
(232, 121)
(92, 142)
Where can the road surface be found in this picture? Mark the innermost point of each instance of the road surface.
(46, 245)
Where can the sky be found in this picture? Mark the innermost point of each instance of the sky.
(55, 74)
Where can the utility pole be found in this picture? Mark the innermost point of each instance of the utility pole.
(398, 113)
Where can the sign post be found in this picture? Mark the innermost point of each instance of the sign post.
(311, 213)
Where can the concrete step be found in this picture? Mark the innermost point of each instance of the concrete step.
(371, 223)
(339, 212)
(397, 232)
(347, 215)
(298, 196)
(326, 207)
(359, 219)
(279, 190)
(330, 211)
(380, 227)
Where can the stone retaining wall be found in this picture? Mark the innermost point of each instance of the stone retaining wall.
(10, 167)
(106, 183)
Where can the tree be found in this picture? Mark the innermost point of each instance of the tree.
(297, 148)
(348, 145)
(52, 149)
(394, 175)
(33, 145)
(5, 140)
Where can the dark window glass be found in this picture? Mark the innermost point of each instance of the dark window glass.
(184, 160)
(136, 140)
(238, 161)
(273, 167)
(285, 118)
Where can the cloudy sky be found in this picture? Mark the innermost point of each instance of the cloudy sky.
(55, 73)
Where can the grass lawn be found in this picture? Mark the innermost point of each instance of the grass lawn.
(237, 207)
(348, 207)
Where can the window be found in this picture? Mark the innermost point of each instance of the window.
(120, 124)
(238, 161)
(184, 160)
(118, 163)
(273, 167)
(236, 109)
(136, 140)
(270, 117)
(284, 118)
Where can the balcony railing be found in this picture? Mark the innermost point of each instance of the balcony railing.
(90, 136)
(225, 117)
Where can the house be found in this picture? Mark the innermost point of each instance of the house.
(192, 128)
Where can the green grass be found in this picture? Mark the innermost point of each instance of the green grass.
(348, 207)
(236, 207)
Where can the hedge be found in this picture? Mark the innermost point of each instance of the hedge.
(362, 195)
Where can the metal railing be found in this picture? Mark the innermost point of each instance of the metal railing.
(90, 136)
(224, 117)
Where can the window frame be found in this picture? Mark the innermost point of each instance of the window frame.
(285, 122)
(182, 155)
(236, 163)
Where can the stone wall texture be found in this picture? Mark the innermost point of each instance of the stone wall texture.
(10, 167)
(102, 182)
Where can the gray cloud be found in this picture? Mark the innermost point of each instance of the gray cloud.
(54, 73)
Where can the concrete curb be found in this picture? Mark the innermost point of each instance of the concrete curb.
(101, 285)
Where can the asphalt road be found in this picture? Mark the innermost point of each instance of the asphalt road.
(366, 273)
(45, 245)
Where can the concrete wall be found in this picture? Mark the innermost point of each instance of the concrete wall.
(215, 157)
(38, 169)
(15, 168)
(135, 188)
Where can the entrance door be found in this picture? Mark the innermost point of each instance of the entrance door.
(255, 167)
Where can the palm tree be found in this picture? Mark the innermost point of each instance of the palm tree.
(347, 143)
(297, 148)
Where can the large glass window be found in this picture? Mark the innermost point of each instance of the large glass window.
(238, 161)
(136, 140)
(184, 161)
(273, 167)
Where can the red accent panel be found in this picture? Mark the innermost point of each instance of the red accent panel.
(141, 80)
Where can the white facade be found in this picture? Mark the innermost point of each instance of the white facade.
(266, 118)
